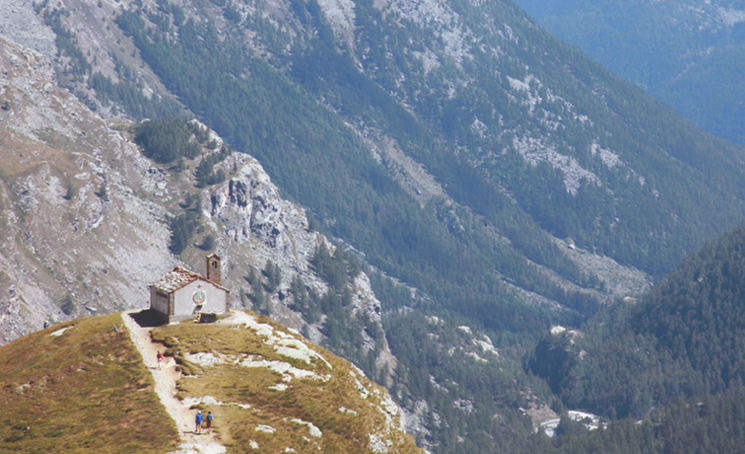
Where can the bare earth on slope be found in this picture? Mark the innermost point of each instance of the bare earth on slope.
(165, 386)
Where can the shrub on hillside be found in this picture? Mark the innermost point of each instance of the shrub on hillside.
(165, 141)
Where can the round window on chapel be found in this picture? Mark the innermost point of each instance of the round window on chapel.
(199, 298)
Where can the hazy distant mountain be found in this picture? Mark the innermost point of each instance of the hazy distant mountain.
(689, 54)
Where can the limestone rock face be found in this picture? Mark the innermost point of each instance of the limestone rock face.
(19, 22)
(249, 204)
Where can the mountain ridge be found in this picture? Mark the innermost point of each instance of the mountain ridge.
(109, 234)
(280, 416)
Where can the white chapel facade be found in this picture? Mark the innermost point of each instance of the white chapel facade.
(182, 294)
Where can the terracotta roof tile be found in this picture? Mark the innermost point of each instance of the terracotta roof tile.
(176, 279)
(179, 277)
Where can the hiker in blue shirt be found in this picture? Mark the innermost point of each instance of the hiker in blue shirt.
(209, 422)
(198, 422)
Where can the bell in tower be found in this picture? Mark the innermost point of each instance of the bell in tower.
(213, 268)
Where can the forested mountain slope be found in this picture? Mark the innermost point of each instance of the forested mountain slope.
(529, 138)
(688, 54)
(504, 136)
(682, 339)
(711, 424)
(89, 220)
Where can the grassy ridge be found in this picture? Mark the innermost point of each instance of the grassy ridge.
(85, 390)
(331, 384)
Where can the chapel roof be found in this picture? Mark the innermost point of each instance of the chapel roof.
(178, 278)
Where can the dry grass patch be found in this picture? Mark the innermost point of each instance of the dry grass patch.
(84, 390)
(321, 405)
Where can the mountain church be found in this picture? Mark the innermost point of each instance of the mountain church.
(182, 294)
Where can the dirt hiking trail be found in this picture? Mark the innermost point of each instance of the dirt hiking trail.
(165, 379)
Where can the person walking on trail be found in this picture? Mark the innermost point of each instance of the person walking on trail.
(160, 358)
(198, 422)
(209, 418)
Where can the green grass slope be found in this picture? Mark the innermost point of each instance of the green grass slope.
(84, 389)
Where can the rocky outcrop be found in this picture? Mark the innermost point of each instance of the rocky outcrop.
(249, 205)
(19, 22)
(255, 225)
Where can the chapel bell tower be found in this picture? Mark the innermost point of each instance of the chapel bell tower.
(213, 268)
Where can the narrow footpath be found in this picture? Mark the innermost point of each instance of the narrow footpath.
(165, 379)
